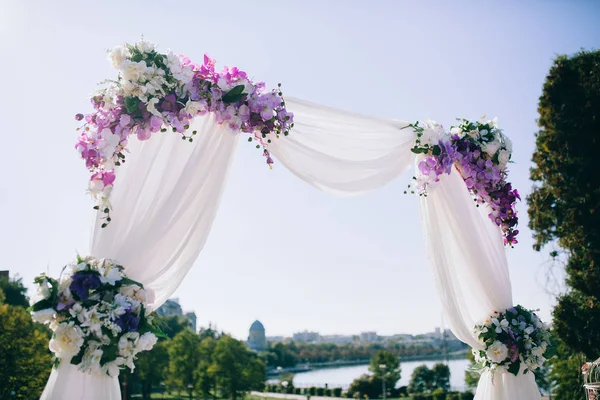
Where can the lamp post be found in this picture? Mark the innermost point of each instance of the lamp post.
(382, 367)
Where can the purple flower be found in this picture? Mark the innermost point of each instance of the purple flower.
(169, 104)
(82, 283)
(128, 321)
(79, 117)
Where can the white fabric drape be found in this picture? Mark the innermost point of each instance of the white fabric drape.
(341, 152)
(467, 255)
(165, 200)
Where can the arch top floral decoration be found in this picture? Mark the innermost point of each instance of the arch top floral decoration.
(159, 92)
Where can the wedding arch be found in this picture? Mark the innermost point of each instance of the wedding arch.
(157, 198)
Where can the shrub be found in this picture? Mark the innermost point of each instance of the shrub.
(453, 396)
(312, 391)
(337, 392)
(320, 391)
(466, 396)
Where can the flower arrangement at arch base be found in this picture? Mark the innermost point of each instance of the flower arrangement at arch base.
(513, 340)
(163, 92)
(100, 318)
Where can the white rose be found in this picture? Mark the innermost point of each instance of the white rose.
(43, 316)
(492, 147)
(146, 342)
(118, 55)
(503, 158)
(497, 352)
(67, 340)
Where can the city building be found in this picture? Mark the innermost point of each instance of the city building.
(337, 339)
(306, 337)
(4, 274)
(368, 337)
(172, 307)
(257, 340)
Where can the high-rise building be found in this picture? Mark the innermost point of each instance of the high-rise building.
(172, 307)
(368, 337)
(257, 340)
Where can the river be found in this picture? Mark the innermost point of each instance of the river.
(343, 376)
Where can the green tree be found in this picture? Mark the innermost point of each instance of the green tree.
(565, 373)
(184, 357)
(471, 374)
(206, 382)
(421, 380)
(391, 371)
(25, 359)
(565, 202)
(365, 385)
(173, 324)
(15, 294)
(151, 368)
(441, 377)
(236, 369)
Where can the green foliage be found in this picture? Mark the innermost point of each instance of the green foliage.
(15, 294)
(392, 370)
(441, 377)
(151, 368)
(205, 380)
(337, 392)
(184, 357)
(471, 374)
(2, 296)
(173, 324)
(421, 380)
(565, 202)
(25, 361)
(565, 373)
(236, 369)
(467, 396)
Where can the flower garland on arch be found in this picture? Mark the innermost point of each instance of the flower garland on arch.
(160, 92)
(480, 152)
(512, 339)
(100, 319)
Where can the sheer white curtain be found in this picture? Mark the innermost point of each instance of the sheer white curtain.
(165, 200)
(466, 252)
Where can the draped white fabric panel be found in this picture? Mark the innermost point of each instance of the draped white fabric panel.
(165, 201)
(466, 253)
(343, 153)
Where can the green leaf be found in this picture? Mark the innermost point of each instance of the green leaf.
(437, 150)
(514, 368)
(127, 281)
(234, 95)
(132, 104)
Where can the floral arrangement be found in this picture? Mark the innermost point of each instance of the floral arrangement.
(481, 153)
(591, 379)
(160, 92)
(513, 338)
(99, 317)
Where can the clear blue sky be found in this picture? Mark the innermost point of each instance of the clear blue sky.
(281, 251)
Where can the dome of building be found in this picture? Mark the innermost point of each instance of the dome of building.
(257, 326)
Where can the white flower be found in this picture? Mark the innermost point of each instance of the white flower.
(504, 324)
(146, 342)
(456, 131)
(431, 133)
(118, 55)
(92, 320)
(497, 352)
(492, 147)
(151, 107)
(193, 107)
(111, 368)
(43, 291)
(474, 133)
(144, 45)
(537, 351)
(128, 290)
(126, 347)
(67, 340)
(43, 316)
(507, 143)
(110, 274)
(133, 71)
(503, 157)
(529, 330)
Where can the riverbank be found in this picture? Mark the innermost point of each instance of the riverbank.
(306, 367)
